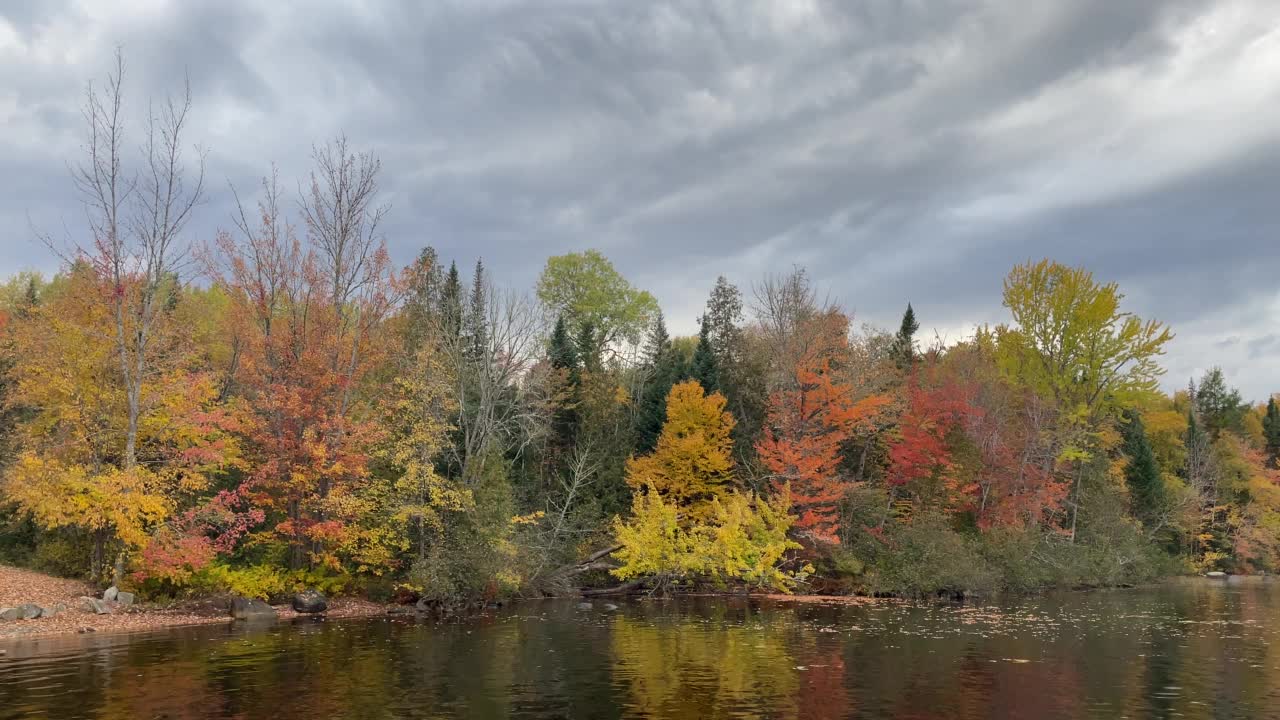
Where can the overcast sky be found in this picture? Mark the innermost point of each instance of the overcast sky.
(899, 149)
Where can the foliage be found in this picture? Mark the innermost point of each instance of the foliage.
(591, 295)
(691, 465)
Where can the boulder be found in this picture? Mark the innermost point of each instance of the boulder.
(53, 610)
(1215, 574)
(243, 608)
(10, 614)
(30, 611)
(310, 601)
(585, 606)
(124, 598)
(94, 605)
(610, 607)
(111, 593)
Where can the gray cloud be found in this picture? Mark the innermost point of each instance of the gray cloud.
(902, 150)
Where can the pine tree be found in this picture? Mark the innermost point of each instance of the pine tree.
(451, 303)
(1220, 407)
(1142, 473)
(904, 342)
(1271, 432)
(703, 367)
(588, 348)
(476, 317)
(564, 418)
(662, 367)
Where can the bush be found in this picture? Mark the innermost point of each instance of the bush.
(927, 557)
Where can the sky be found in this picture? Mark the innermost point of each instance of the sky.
(900, 150)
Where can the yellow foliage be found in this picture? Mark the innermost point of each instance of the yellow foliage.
(693, 462)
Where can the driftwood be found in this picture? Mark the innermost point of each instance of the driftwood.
(592, 562)
(617, 590)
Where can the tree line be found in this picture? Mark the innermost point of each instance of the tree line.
(284, 406)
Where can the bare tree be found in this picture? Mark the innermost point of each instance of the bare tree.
(136, 219)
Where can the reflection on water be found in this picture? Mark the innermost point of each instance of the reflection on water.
(1192, 649)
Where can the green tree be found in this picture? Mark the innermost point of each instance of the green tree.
(1220, 407)
(904, 342)
(451, 303)
(704, 367)
(592, 295)
(476, 321)
(1142, 472)
(1271, 432)
(422, 301)
(662, 368)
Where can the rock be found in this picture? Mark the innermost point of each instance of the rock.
(84, 630)
(30, 611)
(585, 606)
(94, 605)
(1215, 574)
(124, 598)
(243, 608)
(53, 610)
(610, 607)
(310, 601)
(10, 614)
(111, 593)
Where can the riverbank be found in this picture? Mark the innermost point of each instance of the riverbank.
(18, 586)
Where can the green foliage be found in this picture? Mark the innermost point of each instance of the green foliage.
(1271, 431)
(587, 290)
(1142, 474)
(704, 368)
(904, 342)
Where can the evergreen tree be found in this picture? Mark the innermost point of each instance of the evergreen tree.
(476, 320)
(663, 368)
(904, 342)
(1142, 473)
(703, 367)
(588, 348)
(1220, 407)
(1271, 432)
(451, 302)
(564, 418)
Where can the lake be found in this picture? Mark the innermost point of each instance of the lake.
(1189, 649)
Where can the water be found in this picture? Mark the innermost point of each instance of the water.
(1191, 649)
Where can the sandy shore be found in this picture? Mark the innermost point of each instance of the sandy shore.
(24, 586)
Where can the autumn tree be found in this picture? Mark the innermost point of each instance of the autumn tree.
(809, 420)
(1072, 344)
(662, 368)
(692, 462)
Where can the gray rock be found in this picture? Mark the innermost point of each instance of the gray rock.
(610, 607)
(94, 605)
(111, 593)
(30, 611)
(53, 610)
(124, 598)
(585, 606)
(1215, 574)
(310, 601)
(243, 608)
(10, 614)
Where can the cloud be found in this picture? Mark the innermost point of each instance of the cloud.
(902, 150)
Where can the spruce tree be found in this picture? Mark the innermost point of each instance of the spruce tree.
(1142, 473)
(703, 366)
(451, 303)
(588, 348)
(476, 324)
(563, 355)
(904, 341)
(662, 367)
(1271, 432)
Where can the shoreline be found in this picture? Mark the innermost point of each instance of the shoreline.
(140, 619)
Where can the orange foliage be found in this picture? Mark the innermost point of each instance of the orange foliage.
(806, 426)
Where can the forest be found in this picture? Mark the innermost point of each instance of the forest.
(283, 406)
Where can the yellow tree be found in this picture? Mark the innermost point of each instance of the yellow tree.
(76, 467)
(692, 463)
(1074, 345)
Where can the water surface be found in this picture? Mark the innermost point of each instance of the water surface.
(1191, 649)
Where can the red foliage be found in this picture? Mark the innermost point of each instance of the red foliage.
(920, 451)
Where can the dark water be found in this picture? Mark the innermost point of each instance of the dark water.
(1189, 649)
